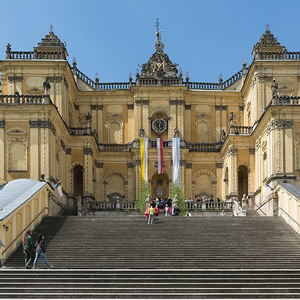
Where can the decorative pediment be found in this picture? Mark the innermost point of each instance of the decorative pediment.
(159, 65)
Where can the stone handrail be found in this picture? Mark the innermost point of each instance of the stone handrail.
(204, 147)
(21, 55)
(114, 85)
(25, 99)
(234, 78)
(85, 78)
(80, 131)
(115, 147)
(243, 130)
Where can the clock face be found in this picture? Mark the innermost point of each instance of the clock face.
(159, 125)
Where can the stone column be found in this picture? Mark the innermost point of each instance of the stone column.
(258, 159)
(100, 124)
(261, 106)
(137, 117)
(251, 174)
(69, 174)
(180, 117)
(34, 153)
(288, 143)
(94, 117)
(145, 117)
(218, 122)
(2, 139)
(232, 171)
(187, 121)
(219, 171)
(88, 170)
(224, 121)
(44, 146)
(173, 121)
(188, 180)
(137, 171)
(99, 180)
(131, 181)
(130, 130)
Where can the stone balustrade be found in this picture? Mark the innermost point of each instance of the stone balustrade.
(115, 147)
(202, 86)
(242, 130)
(80, 131)
(286, 100)
(121, 205)
(36, 55)
(204, 147)
(25, 99)
(194, 206)
(277, 56)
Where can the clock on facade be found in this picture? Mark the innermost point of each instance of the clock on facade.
(159, 125)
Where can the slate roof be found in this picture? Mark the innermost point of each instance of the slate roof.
(15, 193)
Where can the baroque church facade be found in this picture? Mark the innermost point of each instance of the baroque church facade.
(236, 135)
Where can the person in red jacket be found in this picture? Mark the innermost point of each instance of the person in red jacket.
(156, 210)
(146, 213)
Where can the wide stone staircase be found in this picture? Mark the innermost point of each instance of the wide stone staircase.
(176, 257)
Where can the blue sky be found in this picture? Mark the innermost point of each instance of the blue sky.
(111, 37)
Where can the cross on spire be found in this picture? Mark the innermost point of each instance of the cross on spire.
(51, 28)
(267, 27)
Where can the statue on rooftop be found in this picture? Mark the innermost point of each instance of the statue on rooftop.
(274, 89)
(231, 119)
(47, 86)
(88, 119)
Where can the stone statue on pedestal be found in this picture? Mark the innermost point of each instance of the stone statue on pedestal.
(88, 120)
(274, 89)
(231, 119)
(176, 133)
(47, 87)
(148, 200)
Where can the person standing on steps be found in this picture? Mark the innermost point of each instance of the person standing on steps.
(156, 210)
(146, 213)
(151, 215)
(28, 249)
(41, 251)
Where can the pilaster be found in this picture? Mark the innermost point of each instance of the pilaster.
(188, 180)
(130, 132)
(34, 153)
(180, 117)
(88, 168)
(99, 180)
(2, 124)
(232, 170)
(131, 182)
(187, 125)
(145, 114)
(69, 174)
(173, 121)
(137, 117)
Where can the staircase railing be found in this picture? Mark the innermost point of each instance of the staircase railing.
(24, 230)
(269, 198)
(290, 217)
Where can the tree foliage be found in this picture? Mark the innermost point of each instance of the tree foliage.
(179, 191)
(144, 191)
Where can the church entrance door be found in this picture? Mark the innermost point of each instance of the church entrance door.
(160, 186)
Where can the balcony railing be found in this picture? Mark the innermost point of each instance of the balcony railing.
(204, 147)
(115, 147)
(25, 99)
(242, 130)
(286, 100)
(36, 55)
(80, 131)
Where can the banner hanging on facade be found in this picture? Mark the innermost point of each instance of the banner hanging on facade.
(160, 155)
(176, 159)
(144, 159)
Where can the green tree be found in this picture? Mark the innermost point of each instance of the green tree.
(144, 191)
(178, 190)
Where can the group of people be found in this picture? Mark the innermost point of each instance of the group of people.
(34, 250)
